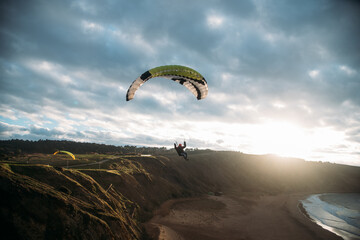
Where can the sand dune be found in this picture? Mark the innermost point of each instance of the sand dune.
(235, 216)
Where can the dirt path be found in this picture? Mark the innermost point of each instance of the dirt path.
(235, 216)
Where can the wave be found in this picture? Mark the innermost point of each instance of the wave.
(336, 212)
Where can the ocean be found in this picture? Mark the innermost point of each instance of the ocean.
(336, 212)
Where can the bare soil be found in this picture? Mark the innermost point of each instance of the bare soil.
(235, 216)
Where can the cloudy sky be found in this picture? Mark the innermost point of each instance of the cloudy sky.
(283, 76)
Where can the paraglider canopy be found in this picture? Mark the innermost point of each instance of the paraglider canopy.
(68, 153)
(186, 76)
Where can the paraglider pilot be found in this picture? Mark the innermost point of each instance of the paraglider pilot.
(180, 150)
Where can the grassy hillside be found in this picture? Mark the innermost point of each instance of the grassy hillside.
(44, 202)
(108, 196)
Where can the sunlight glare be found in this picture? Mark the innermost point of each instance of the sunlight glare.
(280, 138)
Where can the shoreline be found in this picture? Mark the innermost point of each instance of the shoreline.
(236, 216)
(317, 207)
(303, 210)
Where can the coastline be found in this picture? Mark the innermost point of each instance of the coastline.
(236, 216)
(334, 212)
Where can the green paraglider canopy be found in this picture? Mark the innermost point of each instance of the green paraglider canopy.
(186, 76)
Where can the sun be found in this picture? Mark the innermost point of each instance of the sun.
(281, 138)
(288, 139)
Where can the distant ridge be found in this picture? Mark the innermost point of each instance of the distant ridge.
(17, 146)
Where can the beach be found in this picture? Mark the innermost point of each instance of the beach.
(235, 216)
(338, 213)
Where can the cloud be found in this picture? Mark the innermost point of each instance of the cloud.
(44, 132)
(7, 131)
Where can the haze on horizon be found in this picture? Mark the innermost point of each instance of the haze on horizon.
(283, 76)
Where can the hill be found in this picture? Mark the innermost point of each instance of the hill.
(109, 196)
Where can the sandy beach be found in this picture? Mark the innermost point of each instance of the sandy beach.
(235, 216)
